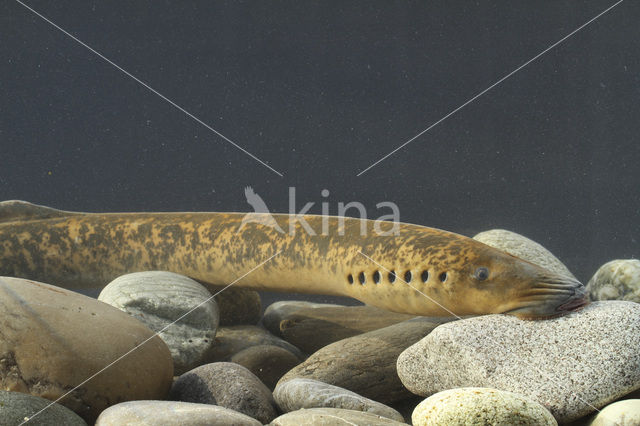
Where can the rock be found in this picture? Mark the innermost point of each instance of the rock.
(366, 364)
(569, 364)
(480, 406)
(332, 417)
(621, 413)
(16, 407)
(312, 326)
(228, 385)
(233, 339)
(238, 306)
(176, 305)
(297, 394)
(171, 413)
(52, 340)
(267, 362)
(617, 280)
(524, 248)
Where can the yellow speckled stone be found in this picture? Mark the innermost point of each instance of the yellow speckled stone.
(480, 406)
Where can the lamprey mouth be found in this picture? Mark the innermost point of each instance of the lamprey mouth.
(551, 297)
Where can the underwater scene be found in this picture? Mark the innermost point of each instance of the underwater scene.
(319, 213)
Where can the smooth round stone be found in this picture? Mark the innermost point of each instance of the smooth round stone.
(524, 248)
(621, 413)
(332, 417)
(479, 407)
(238, 306)
(312, 326)
(233, 339)
(616, 280)
(172, 413)
(297, 394)
(16, 407)
(52, 340)
(570, 364)
(267, 362)
(228, 385)
(366, 364)
(178, 306)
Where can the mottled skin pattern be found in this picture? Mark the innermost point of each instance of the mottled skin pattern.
(76, 250)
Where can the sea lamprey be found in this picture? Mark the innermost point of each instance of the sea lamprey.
(415, 269)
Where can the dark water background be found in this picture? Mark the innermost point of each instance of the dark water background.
(319, 91)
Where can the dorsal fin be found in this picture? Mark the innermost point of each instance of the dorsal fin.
(18, 211)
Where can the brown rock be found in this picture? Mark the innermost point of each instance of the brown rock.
(52, 340)
(366, 364)
(267, 362)
(311, 326)
(233, 339)
(238, 306)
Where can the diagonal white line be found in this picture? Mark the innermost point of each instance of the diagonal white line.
(27, 419)
(490, 87)
(133, 77)
(495, 342)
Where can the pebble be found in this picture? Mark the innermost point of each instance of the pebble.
(332, 417)
(524, 248)
(238, 306)
(228, 385)
(366, 364)
(233, 339)
(480, 406)
(16, 407)
(52, 339)
(160, 300)
(568, 364)
(312, 326)
(267, 362)
(616, 280)
(171, 413)
(297, 394)
(621, 413)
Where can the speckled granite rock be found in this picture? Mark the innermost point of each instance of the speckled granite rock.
(616, 280)
(312, 326)
(52, 339)
(366, 364)
(16, 407)
(228, 385)
(171, 413)
(160, 300)
(523, 248)
(568, 364)
(233, 339)
(479, 407)
(621, 413)
(267, 362)
(332, 417)
(306, 393)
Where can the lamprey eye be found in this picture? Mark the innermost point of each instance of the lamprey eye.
(481, 273)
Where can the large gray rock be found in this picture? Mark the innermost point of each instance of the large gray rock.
(16, 407)
(178, 306)
(332, 417)
(171, 413)
(52, 340)
(571, 365)
(366, 364)
(524, 248)
(233, 339)
(479, 407)
(228, 385)
(297, 394)
(616, 280)
(312, 326)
